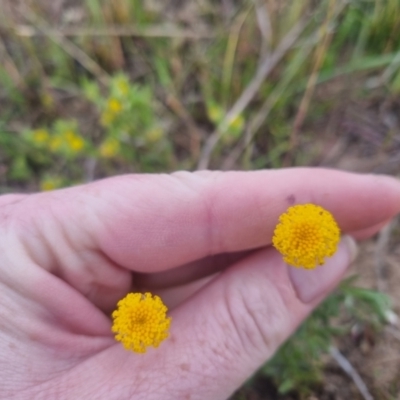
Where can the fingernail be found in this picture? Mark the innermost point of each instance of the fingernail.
(352, 247)
(312, 284)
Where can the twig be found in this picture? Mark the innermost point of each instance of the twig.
(264, 25)
(69, 47)
(250, 132)
(394, 332)
(263, 20)
(10, 66)
(149, 31)
(90, 169)
(269, 62)
(380, 252)
(257, 121)
(195, 133)
(345, 365)
(389, 71)
(230, 52)
(312, 81)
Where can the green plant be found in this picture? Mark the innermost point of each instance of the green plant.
(129, 132)
(299, 364)
(131, 128)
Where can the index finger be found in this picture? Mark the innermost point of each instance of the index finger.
(159, 221)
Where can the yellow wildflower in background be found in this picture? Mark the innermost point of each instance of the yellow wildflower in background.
(50, 183)
(154, 135)
(56, 143)
(140, 321)
(109, 148)
(305, 235)
(215, 113)
(68, 134)
(74, 141)
(122, 85)
(40, 136)
(47, 100)
(237, 123)
(114, 106)
(107, 118)
(66, 142)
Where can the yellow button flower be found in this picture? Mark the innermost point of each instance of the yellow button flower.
(305, 235)
(140, 321)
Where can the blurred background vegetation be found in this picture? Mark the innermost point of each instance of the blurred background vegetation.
(93, 88)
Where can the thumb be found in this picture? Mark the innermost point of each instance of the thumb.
(229, 328)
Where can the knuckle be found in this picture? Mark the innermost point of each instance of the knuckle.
(258, 314)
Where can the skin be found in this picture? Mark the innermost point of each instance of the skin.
(67, 257)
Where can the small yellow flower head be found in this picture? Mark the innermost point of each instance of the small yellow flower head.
(50, 183)
(72, 141)
(109, 148)
(107, 118)
(140, 321)
(47, 100)
(237, 123)
(76, 144)
(56, 143)
(305, 235)
(112, 110)
(122, 85)
(154, 135)
(40, 136)
(215, 113)
(114, 106)
(69, 134)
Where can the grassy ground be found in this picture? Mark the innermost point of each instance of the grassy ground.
(95, 88)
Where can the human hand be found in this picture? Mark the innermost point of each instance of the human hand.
(68, 256)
